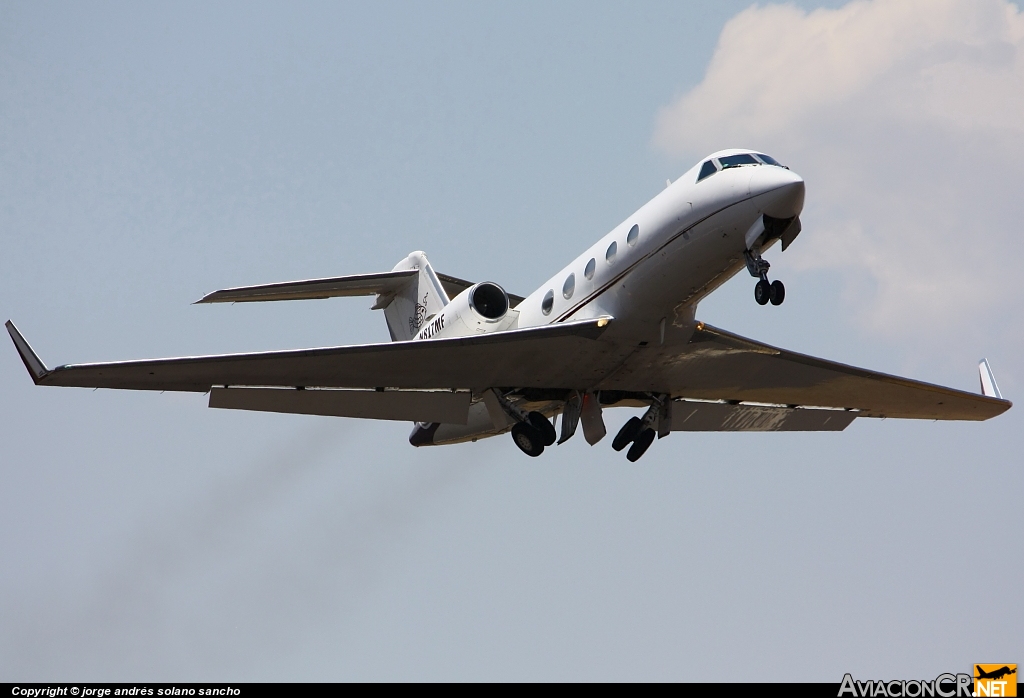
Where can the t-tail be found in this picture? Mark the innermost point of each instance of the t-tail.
(419, 300)
(410, 294)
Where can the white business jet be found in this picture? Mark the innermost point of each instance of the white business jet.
(615, 327)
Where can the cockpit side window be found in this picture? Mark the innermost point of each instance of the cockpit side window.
(768, 159)
(728, 161)
(707, 169)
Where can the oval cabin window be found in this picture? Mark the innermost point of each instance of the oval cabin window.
(569, 286)
(589, 271)
(548, 302)
(634, 233)
(609, 256)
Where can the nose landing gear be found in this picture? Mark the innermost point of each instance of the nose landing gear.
(764, 291)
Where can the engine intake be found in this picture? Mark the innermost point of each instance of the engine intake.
(489, 299)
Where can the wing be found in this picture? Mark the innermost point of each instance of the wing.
(385, 284)
(563, 354)
(719, 365)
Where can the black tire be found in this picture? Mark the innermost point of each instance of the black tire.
(543, 427)
(777, 294)
(762, 292)
(626, 434)
(640, 445)
(528, 439)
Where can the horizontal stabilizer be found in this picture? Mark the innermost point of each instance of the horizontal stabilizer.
(356, 285)
(688, 415)
(384, 284)
(36, 368)
(988, 380)
(402, 405)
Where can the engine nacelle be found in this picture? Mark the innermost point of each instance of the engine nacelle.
(479, 309)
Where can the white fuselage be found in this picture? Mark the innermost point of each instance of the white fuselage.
(652, 269)
(690, 240)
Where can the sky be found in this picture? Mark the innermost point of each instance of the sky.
(152, 153)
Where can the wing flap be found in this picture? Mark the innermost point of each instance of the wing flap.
(401, 405)
(717, 416)
(563, 354)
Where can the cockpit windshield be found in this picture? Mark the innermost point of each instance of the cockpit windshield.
(728, 161)
(710, 167)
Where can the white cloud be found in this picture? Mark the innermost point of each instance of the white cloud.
(906, 118)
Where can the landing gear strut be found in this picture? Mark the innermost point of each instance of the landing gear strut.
(764, 292)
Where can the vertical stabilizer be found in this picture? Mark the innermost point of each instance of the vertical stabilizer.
(421, 299)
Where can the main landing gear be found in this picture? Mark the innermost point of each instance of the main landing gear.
(764, 292)
(640, 431)
(534, 434)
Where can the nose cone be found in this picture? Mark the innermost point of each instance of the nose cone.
(780, 192)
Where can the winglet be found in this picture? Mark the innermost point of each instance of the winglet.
(988, 380)
(36, 368)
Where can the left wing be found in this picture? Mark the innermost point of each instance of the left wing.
(552, 355)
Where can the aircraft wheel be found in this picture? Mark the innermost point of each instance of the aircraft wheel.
(777, 293)
(762, 292)
(626, 434)
(543, 427)
(528, 439)
(640, 446)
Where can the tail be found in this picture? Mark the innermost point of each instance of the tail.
(419, 300)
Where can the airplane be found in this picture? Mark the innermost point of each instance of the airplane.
(996, 674)
(616, 327)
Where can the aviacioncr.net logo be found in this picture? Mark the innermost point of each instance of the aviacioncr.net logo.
(943, 686)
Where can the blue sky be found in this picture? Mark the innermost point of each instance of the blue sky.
(150, 154)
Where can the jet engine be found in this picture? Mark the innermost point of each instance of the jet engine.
(479, 309)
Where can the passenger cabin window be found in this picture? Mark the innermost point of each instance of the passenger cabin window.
(569, 286)
(737, 160)
(707, 169)
(589, 271)
(609, 256)
(547, 303)
(634, 233)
